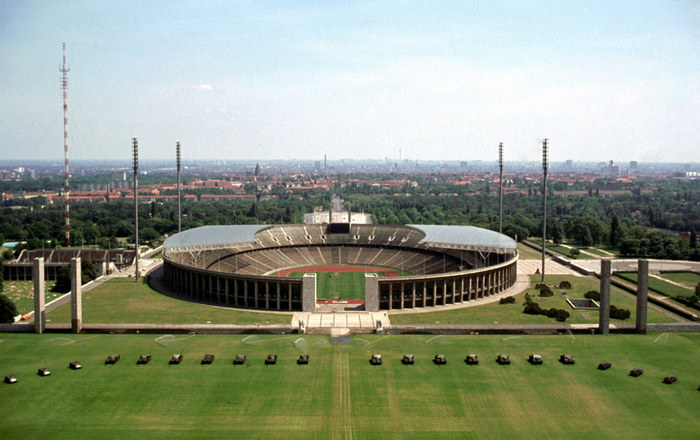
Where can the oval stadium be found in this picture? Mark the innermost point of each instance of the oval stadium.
(283, 267)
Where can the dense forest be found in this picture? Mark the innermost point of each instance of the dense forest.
(659, 222)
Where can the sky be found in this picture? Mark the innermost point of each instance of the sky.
(447, 80)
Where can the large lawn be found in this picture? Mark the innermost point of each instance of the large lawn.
(513, 313)
(122, 300)
(340, 395)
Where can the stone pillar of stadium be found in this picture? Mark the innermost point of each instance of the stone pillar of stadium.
(76, 296)
(372, 292)
(39, 295)
(604, 315)
(642, 292)
(308, 293)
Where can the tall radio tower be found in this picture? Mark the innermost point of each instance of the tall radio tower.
(66, 192)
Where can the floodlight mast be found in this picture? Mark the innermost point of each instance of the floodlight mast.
(545, 165)
(179, 210)
(136, 208)
(500, 188)
(66, 191)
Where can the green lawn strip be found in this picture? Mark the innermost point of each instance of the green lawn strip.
(22, 294)
(657, 285)
(690, 279)
(561, 249)
(528, 253)
(122, 300)
(339, 394)
(513, 313)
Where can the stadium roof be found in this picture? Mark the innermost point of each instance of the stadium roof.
(465, 237)
(212, 237)
(224, 236)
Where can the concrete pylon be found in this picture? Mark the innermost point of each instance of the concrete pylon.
(372, 292)
(642, 294)
(39, 295)
(308, 293)
(604, 315)
(76, 296)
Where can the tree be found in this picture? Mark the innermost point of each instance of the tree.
(615, 231)
(8, 310)
(693, 239)
(63, 281)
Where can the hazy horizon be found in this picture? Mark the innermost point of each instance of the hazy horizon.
(364, 80)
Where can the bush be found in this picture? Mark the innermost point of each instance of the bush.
(507, 300)
(532, 308)
(544, 289)
(592, 294)
(697, 289)
(8, 311)
(616, 313)
(574, 253)
(565, 285)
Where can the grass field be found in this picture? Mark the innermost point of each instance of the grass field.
(658, 285)
(337, 285)
(339, 395)
(513, 313)
(122, 300)
(22, 294)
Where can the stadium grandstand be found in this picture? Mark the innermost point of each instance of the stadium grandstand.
(239, 265)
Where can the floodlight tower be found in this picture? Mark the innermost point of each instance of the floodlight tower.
(136, 208)
(179, 210)
(66, 192)
(544, 200)
(500, 188)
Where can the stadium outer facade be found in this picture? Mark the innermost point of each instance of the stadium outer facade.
(235, 265)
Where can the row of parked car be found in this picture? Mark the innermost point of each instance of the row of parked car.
(472, 359)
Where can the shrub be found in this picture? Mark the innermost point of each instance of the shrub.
(616, 313)
(565, 285)
(562, 315)
(544, 289)
(8, 311)
(592, 294)
(697, 289)
(574, 253)
(532, 308)
(507, 300)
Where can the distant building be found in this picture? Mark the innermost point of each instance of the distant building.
(610, 170)
(257, 169)
(337, 214)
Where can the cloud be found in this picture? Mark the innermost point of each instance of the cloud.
(204, 87)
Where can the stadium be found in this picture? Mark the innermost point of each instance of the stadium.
(406, 266)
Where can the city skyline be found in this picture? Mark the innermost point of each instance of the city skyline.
(249, 80)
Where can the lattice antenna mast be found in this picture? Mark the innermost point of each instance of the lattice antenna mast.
(545, 166)
(66, 191)
(500, 188)
(136, 208)
(179, 210)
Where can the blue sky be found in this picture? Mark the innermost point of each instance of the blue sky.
(275, 80)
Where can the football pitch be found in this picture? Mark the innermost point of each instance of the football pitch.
(340, 395)
(337, 285)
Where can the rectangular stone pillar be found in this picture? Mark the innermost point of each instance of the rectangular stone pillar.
(372, 292)
(39, 295)
(308, 293)
(642, 292)
(604, 315)
(76, 296)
